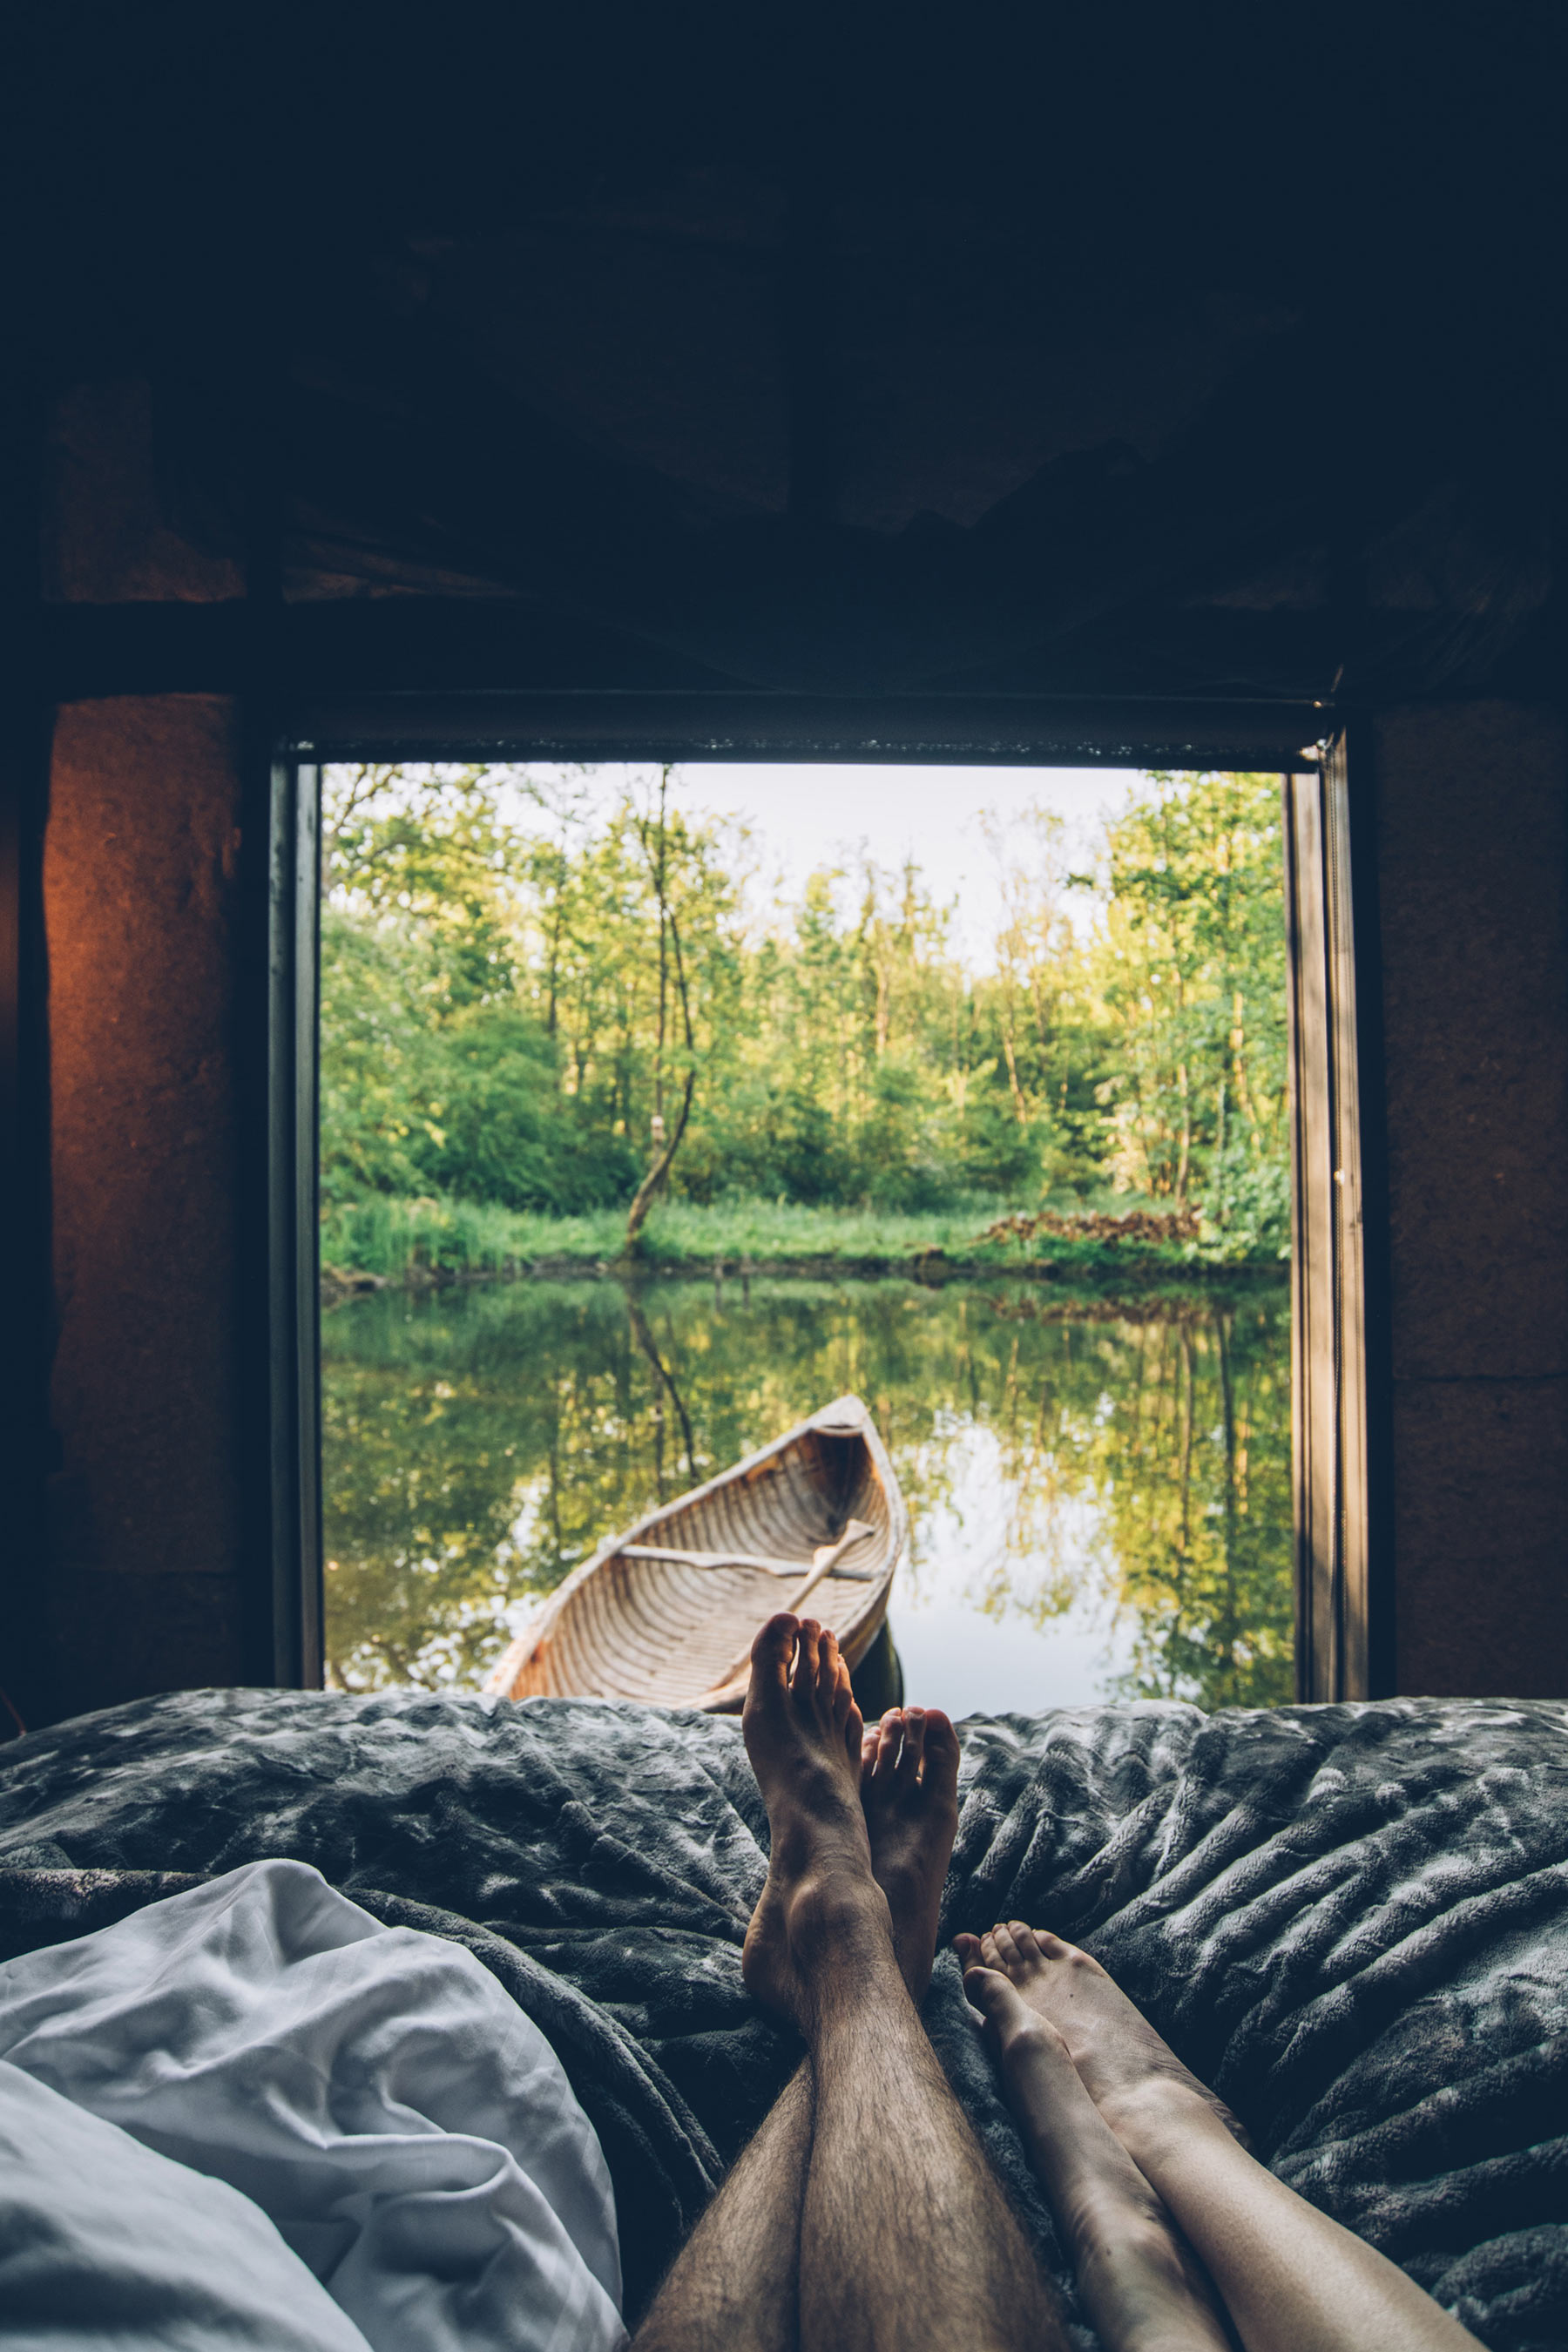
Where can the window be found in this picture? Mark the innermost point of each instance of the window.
(1096, 1457)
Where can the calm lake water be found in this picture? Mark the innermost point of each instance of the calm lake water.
(1099, 1495)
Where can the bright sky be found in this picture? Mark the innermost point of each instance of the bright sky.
(807, 816)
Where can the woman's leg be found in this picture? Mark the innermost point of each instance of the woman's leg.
(1292, 2280)
(1139, 2282)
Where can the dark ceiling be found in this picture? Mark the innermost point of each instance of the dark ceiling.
(1115, 351)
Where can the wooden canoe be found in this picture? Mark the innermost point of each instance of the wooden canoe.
(674, 1632)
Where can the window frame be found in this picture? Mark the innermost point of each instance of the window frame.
(1344, 1595)
(293, 1225)
(1338, 1323)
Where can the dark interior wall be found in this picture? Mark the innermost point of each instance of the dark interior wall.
(1472, 880)
(145, 1587)
(141, 883)
(751, 363)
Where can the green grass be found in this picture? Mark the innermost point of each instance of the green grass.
(383, 1235)
(390, 1237)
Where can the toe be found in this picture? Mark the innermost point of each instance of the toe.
(770, 1654)
(843, 1705)
(1026, 1944)
(941, 1775)
(967, 1947)
(989, 1991)
(889, 1731)
(803, 1683)
(913, 1746)
(990, 1957)
(1008, 2017)
(1007, 1956)
(827, 1665)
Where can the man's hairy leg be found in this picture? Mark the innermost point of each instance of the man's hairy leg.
(734, 2288)
(905, 2236)
(737, 2281)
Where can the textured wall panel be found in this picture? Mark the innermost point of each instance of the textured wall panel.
(1473, 881)
(140, 867)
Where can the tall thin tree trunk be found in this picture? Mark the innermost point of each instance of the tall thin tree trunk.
(1184, 1162)
(669, 1144)
(1239, 1060)
(665, 1386)
(555, 930)
(1018, 1092)
(648, 1190)
(1009, 1051)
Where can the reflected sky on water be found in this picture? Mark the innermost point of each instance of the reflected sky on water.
(1099, 1495)
(966, 1615)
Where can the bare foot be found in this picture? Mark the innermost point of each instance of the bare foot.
(909, 1788)
(1115, 2049)
(802, 1730)
(1144, 2288)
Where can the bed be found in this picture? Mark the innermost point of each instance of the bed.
(1351, 1920)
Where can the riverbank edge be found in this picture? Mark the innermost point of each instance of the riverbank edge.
(1096, 1269)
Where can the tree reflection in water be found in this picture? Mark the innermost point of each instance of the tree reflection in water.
(1133, 1458)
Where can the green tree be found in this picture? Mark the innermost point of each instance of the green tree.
(542, 995)
(1190, 961)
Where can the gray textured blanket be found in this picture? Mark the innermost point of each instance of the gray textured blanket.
(1351, 1920)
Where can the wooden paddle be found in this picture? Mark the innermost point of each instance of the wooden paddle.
(769, 1564)
(823, 1558)
(822, 1562)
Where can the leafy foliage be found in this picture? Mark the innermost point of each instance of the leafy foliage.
(499, 1026)
(1190, 963)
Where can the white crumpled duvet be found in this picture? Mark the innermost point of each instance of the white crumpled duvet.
(411, 2169)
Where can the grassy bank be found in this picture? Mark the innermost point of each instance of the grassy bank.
(429, 1239)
